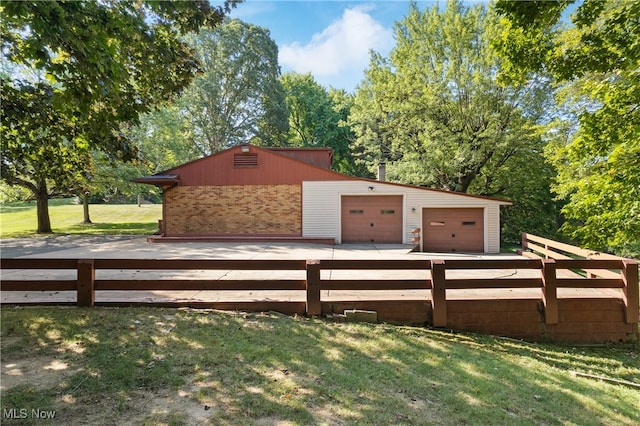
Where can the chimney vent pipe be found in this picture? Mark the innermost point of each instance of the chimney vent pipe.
(382, 172)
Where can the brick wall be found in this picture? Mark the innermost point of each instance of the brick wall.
(592, 321)
(519, 318)
(579, 320)
(233, 209)
(415, 312)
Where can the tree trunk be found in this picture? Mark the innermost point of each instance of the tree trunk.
(42, 200)
(85, 208)
(463, 183)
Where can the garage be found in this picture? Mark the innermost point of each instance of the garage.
(372, 219)
(453, 230)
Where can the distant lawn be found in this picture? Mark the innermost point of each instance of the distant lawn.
(19, 219)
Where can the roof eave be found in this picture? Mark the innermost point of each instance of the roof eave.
(158, 180)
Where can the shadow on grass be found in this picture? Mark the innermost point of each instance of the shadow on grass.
(265, 369)
(131, 228)
(19, 206)
(105, 229)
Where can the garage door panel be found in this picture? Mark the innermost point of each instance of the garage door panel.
(372, 219)
(453, 229)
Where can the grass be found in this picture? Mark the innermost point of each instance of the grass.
(19, 220)
(181, 367)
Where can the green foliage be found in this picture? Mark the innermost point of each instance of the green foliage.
(435, 114)
(239, 96)
(597, 61)
(104, 62)
(603, 38)
(317, 118)
(42, 150)
(599, 168)
(12, 193)
(38, 143)
(164, 138)
(311, 113)
(527, 36)
(75, 72)
(236, 99)
(534, 208)
(433, 110)
(111, 182)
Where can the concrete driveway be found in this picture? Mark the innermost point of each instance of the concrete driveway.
(134, 247)
(72, 246)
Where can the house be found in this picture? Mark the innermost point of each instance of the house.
(247, 192)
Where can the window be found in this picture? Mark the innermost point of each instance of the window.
(387, 212)
(469, 223)
(356, 211)
(245, 160)
(436, 223)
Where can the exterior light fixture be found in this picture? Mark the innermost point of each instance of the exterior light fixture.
(244, 148)
(413, 209)
(371, 188)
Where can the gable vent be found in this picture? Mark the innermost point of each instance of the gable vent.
(245, 160)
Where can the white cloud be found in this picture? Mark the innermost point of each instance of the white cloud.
(342, 47)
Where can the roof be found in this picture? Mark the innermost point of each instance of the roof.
(321, 157)
(252, 165)
(160, 179)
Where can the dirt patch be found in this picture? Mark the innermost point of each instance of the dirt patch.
(168, 407)
(39, 372)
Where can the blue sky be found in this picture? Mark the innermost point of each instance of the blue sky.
(330, 39)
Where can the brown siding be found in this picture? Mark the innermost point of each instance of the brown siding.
(319, 157)
(272, 169)
(234, 209)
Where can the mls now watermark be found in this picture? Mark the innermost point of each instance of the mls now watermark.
(23, 413)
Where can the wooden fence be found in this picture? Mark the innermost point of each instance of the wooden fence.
(537, 247)
(434, 277)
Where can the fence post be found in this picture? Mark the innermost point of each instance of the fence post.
(439, 293)
(630, 292)
(314, 306)
(550, 291)
(86, 280)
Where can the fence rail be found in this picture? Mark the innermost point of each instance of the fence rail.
(434, 278)
(537, 247)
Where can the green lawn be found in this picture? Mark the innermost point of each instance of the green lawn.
(19, 219)
(182, 367)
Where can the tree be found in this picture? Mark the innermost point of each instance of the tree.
(164, 139)
(111, 183)
(238, 97)
(90, 67)
(598, 60)
(317, 118)
(38, 151)
(434, 113)
(433, 109)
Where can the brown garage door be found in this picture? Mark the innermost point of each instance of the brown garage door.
(372, 219)
(453, 230)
